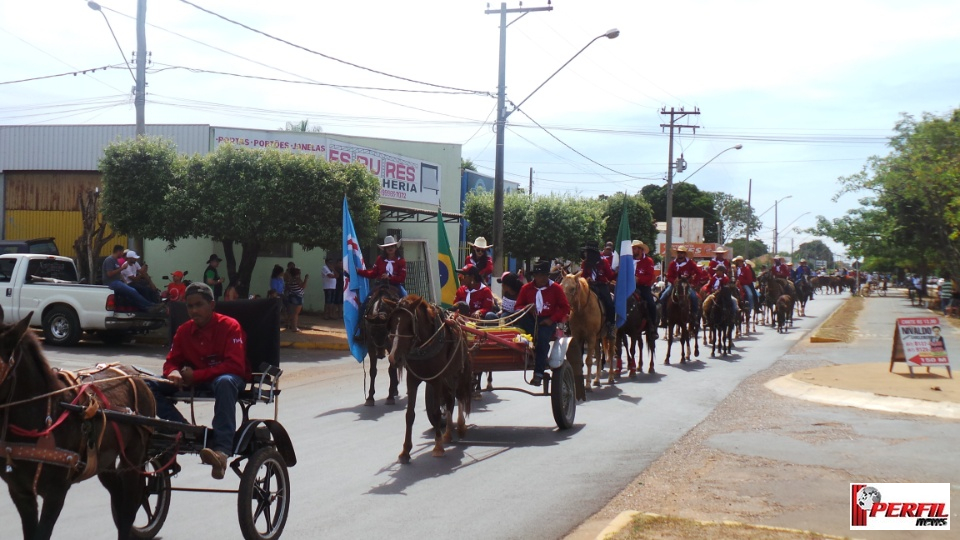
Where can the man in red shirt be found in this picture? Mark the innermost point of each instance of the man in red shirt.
(389, 266)
(743, 273)
(474, 294)
(780, 269)
(644, 273)
(550, 307)
(208, 353)
(718, 259)
(683, 266)
(599, 275)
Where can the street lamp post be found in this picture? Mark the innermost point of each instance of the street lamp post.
(668, 254)
(775, 230)
(139, 79)
(502, 114)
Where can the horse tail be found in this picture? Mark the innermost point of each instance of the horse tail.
(464, 390)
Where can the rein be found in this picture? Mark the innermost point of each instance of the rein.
(419, 352)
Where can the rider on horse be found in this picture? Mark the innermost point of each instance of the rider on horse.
(780, 269)
(550, 307)
(474, 294)
(644, 274)
(720, 280)
(479, 257)
(744, 275)
(390, 266)
(599, 275)
(684, 267)
(717, 260)
(803, 273)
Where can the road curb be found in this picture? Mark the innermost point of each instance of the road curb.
(788, 386)
(314, 345)
(624, 519)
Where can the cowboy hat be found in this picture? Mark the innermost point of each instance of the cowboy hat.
(541, 267)
(720, 249)
(738, 258)
(790, 264)
(213, 258)
(751, 264)
(469, 270)
(680, 249)
(481, 243)
(388, 241)
(639, 244)
(803, 260)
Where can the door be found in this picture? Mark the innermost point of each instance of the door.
(7, 293)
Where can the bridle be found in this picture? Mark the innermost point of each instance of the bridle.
(428, 348)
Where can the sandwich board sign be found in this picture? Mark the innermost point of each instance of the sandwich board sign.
(917, 341)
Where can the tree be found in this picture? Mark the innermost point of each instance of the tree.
(736, 217)
(302, 126)
(467, 165)
(739, 247)
(688, 201)
(639, 213)
(235, 195)
(815, 250)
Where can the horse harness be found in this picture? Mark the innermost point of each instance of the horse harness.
(432, 346)
(82, 463)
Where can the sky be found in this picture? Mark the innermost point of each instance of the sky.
(810, 90)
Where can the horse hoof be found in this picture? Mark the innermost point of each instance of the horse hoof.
(391, 401)
(437, 452)
(448, 438)
(369, 402)
(404, 459)
(633, 373)
(477, 396)
(651, 371)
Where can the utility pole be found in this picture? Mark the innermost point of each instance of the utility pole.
(530, 189)
(501, 129)
(140, 98)
(746, 250)
(775, 232)
(674, 116)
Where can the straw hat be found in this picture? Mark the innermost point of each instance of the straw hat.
(388, 241)
(720, 249)
(680, 249)
(750, 264)
(481, 243)
(641, 245)
(738, 258)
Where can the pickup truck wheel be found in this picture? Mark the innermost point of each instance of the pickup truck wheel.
(61, 327)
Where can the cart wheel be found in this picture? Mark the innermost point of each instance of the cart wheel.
(264, 498)
(434, 410)
(155, 505)
(563, 396)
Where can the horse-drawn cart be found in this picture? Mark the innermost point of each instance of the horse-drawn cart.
(503, 348)
(262, 450)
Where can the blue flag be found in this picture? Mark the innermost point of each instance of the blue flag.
(355, 288)
(626, 281)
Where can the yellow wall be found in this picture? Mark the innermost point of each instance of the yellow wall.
(64, 226)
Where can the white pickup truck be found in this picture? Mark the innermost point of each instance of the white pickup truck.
(47, 286)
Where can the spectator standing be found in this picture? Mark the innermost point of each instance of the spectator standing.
(329, 289)
(338, 296)
(297, 288)
(946, 293)
(211, 276)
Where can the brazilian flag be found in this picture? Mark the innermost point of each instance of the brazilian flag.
(448, 280)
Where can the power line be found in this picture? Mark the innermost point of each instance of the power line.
(327, 56)
(74, 73)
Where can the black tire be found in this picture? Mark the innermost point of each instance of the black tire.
(155, 505)
(61, 327)
(563, 396)
(263, 502)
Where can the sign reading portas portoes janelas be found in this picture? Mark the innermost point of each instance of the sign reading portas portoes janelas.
(918, 342)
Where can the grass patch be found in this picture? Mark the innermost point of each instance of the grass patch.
(841, 325)
(650, 527)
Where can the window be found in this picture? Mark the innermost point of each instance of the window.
(52, 268)
(6, 269)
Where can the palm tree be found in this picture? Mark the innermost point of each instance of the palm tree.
(467, 165)
(303, 126)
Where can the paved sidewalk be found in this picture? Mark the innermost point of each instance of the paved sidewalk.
(315, 333)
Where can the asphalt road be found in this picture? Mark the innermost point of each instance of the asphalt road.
(515, 475)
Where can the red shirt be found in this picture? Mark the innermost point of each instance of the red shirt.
(485, 267)
(601, 273)
(175, 291)
(555, 305)
(481, 299)
(643, 270)
(712, 267)
(781, 271)
(218, 348)
(688, 268)
(717, 281)
(379, 268)
(745, 275)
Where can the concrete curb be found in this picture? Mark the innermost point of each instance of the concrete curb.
(791, 387)
(624, 519)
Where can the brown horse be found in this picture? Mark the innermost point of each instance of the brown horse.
(586, 330)
(46, 448)
(782, 310)
(433, 351)
(680, 319)
(380, 305)
(632, 332)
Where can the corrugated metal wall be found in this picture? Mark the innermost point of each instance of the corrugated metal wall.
(79, 148)
(41, 203)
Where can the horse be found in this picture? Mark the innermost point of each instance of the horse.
(723, 319)
(804, 292)
(379, 306)
(586, 331)
(679, 317)
(782, 310)
(775, 288)
(746, 313)
(46, 457)
(434, 351)
(633, 329)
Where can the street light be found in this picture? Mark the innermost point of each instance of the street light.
(139, 79)
(737, 147)
(777, 232)
(775, 228)
(502, 115)
(668, 255)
